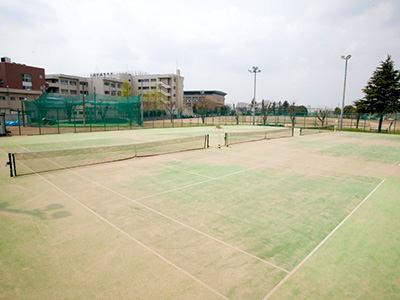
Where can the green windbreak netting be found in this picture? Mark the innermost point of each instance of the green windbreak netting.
(79, 110)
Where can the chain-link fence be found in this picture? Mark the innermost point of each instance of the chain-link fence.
(58, 114)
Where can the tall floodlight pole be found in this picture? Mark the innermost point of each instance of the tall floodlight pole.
(346, 58)
(254, 70)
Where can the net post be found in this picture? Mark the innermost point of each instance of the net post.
(207, 141)
(226, 139)
(13, 163)
(10, 164)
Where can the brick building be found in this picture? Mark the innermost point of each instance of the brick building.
(19, 82)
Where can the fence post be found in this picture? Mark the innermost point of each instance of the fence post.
(19, 123)
(58, 122)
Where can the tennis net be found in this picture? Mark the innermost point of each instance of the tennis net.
(22, 163)
(249, 136)
(315, 130)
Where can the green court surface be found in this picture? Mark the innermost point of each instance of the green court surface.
(303, 217)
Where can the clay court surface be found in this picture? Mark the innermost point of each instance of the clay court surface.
(304, 217)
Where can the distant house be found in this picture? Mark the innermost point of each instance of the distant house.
(215, 99)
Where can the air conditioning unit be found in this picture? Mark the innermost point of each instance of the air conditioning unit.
(6, 59)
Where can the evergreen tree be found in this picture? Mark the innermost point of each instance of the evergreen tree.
(382, 93)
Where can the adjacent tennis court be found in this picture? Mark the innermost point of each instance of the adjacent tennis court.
(281, 217)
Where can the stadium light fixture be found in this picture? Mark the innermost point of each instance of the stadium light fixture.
(346, 58)
(254, 70)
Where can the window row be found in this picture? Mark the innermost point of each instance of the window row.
(113, 84)
(12, 98)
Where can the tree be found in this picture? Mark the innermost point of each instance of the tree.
(153, 100)
(127, 90)
(292, 113)
(301, 110)
(349, 110)
(382, 93)
(266, 107)
(224, 110)
(202, 106)
(285, 107)
(322, 114)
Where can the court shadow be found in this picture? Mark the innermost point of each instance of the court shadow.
(38, 213)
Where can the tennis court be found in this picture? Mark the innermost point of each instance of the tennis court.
(305, 217)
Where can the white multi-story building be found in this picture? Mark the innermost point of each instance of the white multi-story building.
(170, 85)
(111, 84)
(68, 85)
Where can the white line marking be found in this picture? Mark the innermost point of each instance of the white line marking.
(321, 243)
(179, 222)
(132, 238)
(176, 221)
(182, 170)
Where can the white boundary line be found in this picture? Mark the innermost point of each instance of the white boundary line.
(132, 238)
(179, 222)
(321, 243)
(181, 170)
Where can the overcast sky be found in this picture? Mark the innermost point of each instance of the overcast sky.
(297, 44)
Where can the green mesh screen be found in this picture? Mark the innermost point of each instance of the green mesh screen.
(79, 110)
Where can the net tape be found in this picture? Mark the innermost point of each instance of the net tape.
(315, 130)
(50, 160)
(248, 136)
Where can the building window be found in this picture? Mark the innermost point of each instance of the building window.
(27, 82)
(64, 91)
(73, 92)
(153, 80)
(119, 93)
(113, 93)
(188, 104)
(26, 78)
(41, 76)
(107, 92)
(72, 83)
(64, 82)
(188, 99)
(2, 98)
(143, 80)
(21, 98)
(195, 99)
(153, 87)
(12, 98)
(113, 84)
(106, 83)
(119, 85)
